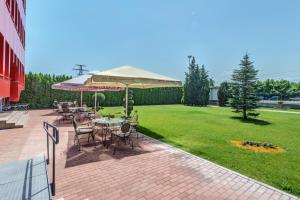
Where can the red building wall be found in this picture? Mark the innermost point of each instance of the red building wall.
(12, 48)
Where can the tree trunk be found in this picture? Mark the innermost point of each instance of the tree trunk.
(244, 113)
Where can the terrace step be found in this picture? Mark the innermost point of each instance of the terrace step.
(22, 120)
(5, 116)
(13, 119)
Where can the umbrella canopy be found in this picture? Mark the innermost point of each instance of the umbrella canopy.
(131, 77)
(60, 86)
(77, 85)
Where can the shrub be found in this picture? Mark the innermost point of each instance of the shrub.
(38, 93)
(258, 144)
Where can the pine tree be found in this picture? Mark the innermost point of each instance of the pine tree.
(196, 87)
(203, 87)
(190, 84)
(244, 95)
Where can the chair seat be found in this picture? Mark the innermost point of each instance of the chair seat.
(67, 114)
(114, 128)
(121, 134)
(84, 129)
(133, 123)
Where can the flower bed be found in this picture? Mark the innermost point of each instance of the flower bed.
(260, 147)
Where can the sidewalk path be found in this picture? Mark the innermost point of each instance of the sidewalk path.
(280, 111)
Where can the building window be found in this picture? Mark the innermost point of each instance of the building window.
(11, 62)
(24, 6)
(16, 16)
(13, 9)
(7, 52)
(13, 65)
(1, 54)
(8, 5)
(23, 74)
(17, 73)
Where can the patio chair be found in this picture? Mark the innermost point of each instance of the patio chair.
(119, 115)
(59, 108)
(75, 103)
(134, 122)
(81, 113)
(82, 130)
(93, 115)
(98, 115)
(66, 114)
(55, 105)
(122, 135)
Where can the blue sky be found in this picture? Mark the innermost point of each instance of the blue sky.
(158, 35)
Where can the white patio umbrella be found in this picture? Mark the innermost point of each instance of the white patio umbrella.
(131, 77)
(77, 85)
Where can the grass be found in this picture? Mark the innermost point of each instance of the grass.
(208, 131)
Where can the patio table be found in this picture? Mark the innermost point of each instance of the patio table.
(108, 124)
(77, 109)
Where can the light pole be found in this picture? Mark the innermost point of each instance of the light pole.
(189, 57)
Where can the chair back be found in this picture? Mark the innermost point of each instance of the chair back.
(59, 107)
(55, 104)
(74, 123)
(65, 105)
(65, 109)
(81, 109)
(125, 128)
(97, 115)
(135, 118)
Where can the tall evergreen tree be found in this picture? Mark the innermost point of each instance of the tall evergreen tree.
(196, 87)
(244, 98)
(190, 84)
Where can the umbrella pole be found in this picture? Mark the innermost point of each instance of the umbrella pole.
(81, 99)
(95, 102)
(126, 101)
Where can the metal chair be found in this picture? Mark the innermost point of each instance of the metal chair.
(93, 115)
(66, 114)
(134, 121)
(82, 130)
(122, 135)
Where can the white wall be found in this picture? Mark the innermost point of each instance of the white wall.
(213, 94)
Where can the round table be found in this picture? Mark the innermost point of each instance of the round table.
(108, 122)
(107, 125)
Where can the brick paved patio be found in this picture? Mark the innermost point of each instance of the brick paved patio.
(153, 170)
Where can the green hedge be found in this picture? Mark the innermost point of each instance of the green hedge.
(38, 93)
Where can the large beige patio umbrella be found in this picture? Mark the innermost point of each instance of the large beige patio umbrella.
(131, 77)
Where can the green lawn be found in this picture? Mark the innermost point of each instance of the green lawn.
(207, 132)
